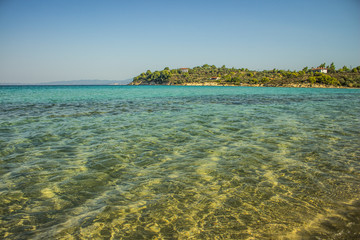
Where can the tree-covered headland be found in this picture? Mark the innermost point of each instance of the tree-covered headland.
(223, 76)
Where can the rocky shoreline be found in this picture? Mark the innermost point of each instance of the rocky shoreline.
(215, 84)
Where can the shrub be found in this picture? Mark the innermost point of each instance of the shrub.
(265, 80)
(254, 81)
(312, 80)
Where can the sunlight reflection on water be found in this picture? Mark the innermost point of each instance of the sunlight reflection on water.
(203, 165)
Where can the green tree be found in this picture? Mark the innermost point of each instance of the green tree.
(235, 79)
(165, 75)
(345, 69)
(332, 68)
(265, 80)
(186, 75)
(155, 76)
(250, 74)
(312, 80)
(254, 81)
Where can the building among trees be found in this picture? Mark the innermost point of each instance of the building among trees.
(320, 70)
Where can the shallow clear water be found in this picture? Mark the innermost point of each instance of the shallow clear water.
(161, 162)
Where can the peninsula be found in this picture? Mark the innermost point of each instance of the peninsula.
(210, 75)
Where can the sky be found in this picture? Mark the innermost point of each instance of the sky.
(60, 40)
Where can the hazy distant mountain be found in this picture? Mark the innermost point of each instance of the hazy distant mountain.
(88, 82)
(2, 84)
(78, 82)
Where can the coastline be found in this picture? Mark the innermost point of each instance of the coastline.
(214, 84)
(213, 76)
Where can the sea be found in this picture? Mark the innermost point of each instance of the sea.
(179, 162)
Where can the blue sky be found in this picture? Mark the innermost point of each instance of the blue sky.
(59, 40)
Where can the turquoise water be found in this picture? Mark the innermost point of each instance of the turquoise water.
(165, 162)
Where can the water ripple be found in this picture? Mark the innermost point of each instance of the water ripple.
(179, 163)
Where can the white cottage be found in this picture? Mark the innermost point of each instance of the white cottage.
(319, 69)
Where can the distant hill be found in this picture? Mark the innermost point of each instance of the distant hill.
(78, 82)
(88, 82)
(207, 75)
